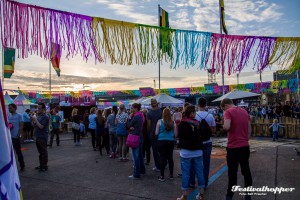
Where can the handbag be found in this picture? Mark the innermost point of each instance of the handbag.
(75, 126)
(133, 141)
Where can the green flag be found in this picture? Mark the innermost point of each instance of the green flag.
(9, 62)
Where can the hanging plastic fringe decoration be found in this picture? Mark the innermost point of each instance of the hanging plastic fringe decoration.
(229, 51)
(286, 53)
(189, 46)
(148, 37)
(31, 29)
(263, 51)
(116, 40)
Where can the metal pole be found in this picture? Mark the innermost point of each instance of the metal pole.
(2, 68)
(223, 89)
(260, 78)
(238, 78)
(298, 86)
(50, 80)
(159, 50)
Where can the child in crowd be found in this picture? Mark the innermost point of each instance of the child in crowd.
(276, 127)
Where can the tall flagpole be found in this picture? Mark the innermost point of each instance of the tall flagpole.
(298, 86)
(223, 89)
(2, 68)
(50, 80)
(159, 50)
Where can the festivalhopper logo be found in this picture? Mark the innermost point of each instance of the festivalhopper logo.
(260, 190)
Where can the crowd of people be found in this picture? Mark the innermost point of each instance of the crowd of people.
(272, 111)
(157, 131)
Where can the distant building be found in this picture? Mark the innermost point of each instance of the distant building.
(284, 75)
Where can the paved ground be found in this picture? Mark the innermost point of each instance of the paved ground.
(79, 173)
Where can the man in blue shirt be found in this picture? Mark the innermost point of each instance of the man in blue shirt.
(16, 126)
(55, 121)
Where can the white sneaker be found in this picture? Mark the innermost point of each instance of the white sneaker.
(155, 169)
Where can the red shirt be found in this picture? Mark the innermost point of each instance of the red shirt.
(238, 132)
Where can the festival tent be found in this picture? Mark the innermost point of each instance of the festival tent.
(23, 104)
(140, 100)
(243, 104)
(164, 100)
(236, 94)
(7, 99)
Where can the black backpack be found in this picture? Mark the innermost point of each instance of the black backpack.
(204, 129)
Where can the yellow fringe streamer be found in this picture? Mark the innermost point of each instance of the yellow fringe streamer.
(286, 53)
(116, 40)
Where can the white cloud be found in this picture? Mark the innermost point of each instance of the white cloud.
(129, 10)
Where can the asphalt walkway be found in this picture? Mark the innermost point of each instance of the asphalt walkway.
(78, 173)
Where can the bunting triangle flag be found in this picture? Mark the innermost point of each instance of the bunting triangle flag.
(55, 57)
(9, 179)
(9, 62)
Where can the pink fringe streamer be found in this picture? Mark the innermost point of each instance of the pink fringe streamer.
(31, 29)
(232, 52)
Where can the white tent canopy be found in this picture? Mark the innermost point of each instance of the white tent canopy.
(140, 100)
(164, 100)
(7, 99)
(22, 100)
(23, 104)
(236, 94)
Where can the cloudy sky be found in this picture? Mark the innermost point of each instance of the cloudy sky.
(243, 17)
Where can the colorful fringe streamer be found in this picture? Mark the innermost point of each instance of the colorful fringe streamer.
(232, 50)
(32, 29)
(286, 53)
(189, 46)
(116, 40)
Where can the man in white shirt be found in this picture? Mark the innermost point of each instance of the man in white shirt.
(200, 115)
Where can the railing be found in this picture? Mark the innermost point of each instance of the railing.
(260, 127)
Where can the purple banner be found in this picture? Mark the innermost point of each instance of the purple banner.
(81, 101)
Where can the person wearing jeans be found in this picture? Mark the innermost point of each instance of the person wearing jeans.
(92, 126)
(237, 123)
(112, 127)
(139, 166)
(207, 144)
(136, 120)
(191, 154)
(276, 127)
(166, 130)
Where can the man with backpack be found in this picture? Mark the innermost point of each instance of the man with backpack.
(207, 128)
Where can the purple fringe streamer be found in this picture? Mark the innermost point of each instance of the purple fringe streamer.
(229, 51)
(31, 29)
(232, 52)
